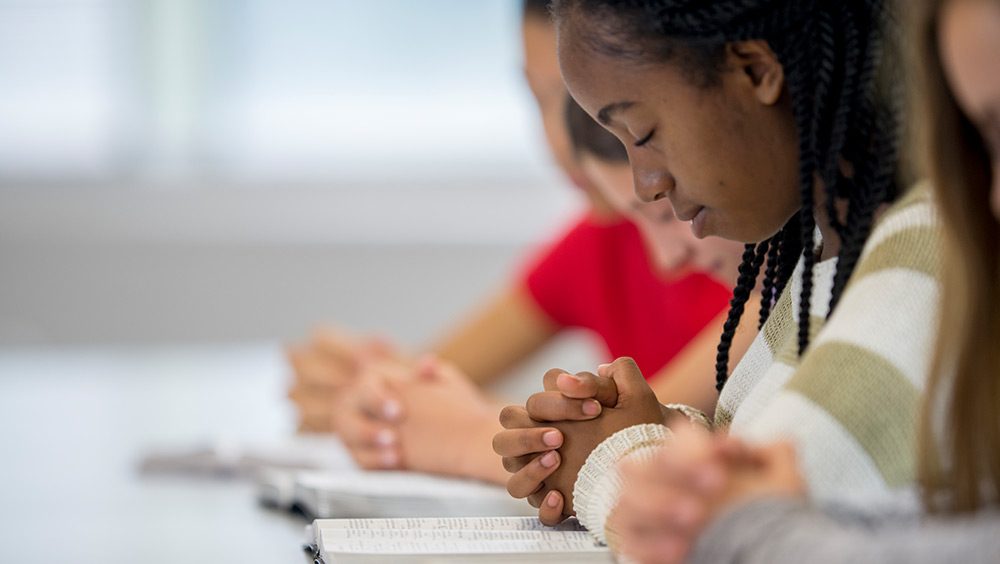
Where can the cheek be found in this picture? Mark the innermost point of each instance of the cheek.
(557, 137)
(762, 179)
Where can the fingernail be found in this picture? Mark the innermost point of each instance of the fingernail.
(551, 500)
(391, 410)
(552, 438)
(385, 437)
(549, 459)
(390, 459)
(591, 407)
(604, 366)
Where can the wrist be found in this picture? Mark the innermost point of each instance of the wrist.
(598, 483)
(671, 411)
(476, 458)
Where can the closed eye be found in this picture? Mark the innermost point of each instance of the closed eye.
(645, 139)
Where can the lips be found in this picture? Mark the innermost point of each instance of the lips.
(698, 224)
(689, 214)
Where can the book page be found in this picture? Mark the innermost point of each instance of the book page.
(452, 536)
(451, 523)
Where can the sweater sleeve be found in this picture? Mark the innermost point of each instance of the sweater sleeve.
(779, 531)
(599, 483)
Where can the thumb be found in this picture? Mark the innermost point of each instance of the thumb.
(627, 377)
(584, 385)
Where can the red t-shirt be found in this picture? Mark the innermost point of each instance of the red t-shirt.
(598, 276)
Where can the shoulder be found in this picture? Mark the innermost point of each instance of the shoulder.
(907, 236)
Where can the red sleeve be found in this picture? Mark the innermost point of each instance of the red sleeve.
(555, 276)
(598, 276)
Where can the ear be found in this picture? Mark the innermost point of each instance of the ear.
(760, 64)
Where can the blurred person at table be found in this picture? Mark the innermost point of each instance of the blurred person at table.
(635, 288)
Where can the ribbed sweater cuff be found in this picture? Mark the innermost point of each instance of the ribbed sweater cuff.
(598, 484)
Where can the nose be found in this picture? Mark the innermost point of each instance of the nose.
(651, 183)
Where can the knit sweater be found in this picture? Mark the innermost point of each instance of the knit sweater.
(850, 402)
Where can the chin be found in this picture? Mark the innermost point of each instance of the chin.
(747, 237)
(736, 235)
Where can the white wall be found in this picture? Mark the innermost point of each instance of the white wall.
(97, 264)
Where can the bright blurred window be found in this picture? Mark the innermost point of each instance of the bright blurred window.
(261, 89)
(58, 87)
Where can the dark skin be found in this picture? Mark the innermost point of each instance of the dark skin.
(725, 155)
(625, 400)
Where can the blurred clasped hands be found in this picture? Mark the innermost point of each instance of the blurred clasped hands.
(391, 411)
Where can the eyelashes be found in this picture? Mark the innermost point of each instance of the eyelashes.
(645, 139)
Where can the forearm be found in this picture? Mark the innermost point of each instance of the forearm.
(777, 531)
(479, 460)
(507, 329)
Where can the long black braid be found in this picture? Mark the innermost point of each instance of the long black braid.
(832, 54)
(753, 258)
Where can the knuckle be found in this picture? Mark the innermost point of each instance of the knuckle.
(513, 488)
(510, 464)
(508, 415)
(544, 406)
(532, 405)
(550, 377)
(626, 362)
(528, 441)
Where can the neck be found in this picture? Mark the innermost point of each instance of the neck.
(831, 241)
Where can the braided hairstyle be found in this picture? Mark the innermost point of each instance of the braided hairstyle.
(834, 53)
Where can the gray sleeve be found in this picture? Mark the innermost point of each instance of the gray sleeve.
(780, 531)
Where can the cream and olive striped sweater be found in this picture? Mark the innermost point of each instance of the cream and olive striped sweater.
(850, 402)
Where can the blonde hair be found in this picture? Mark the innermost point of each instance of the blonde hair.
(960, 473)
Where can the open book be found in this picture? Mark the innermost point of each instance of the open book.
(366, 494)
(469, 539)
(242, 459)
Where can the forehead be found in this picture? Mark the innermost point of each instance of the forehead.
(596, 79)
(586, 70)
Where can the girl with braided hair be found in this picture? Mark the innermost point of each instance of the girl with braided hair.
(672, 248)
(756, 513)
(772, 123)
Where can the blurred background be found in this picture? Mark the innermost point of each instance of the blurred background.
(187, 184)
(217, 170)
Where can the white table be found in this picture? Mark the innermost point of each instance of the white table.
(74, 423)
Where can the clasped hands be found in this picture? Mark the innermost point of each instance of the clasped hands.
(545, 443)
(670, 499)
(392, 411)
